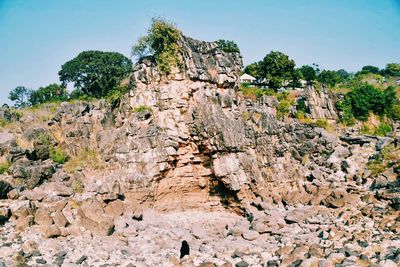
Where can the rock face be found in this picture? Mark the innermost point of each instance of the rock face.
(320, 103)
(185, 156)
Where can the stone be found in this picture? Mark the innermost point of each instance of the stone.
(41, 261)
(207, 264)
(5, 187)
(96, 222)
(59, 219)
(24, 222)
(336, 258)
(51, 231)
(114, 208)
(320, 103)
(30, 246)
(250, 235)
(81, 259)
(242, 264)
(13, 194)
(42, 217)
(5, 214)
(388, 263)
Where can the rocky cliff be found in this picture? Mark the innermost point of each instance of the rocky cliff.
(186, 156)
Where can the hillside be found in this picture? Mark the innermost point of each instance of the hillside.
(189, 156)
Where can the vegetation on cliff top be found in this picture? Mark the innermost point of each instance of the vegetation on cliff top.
(161, 41)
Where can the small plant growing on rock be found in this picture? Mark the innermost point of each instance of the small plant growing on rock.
(77, 186)
(4, 166)
(286, 101)
(58, 155)
(142, 108)
(383, 129)
(387, 157)
(321, 123)
(114, 97)
(161, 41)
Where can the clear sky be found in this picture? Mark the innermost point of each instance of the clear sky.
(38, 36)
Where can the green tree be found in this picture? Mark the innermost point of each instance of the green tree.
(161, 41)
(52, 92)
(364, 99)
(253, 69)
(295, 80)
(392, 69)
(20, 95)
(369, 69)
(390, 97)
(228, 46)
(277, 68)
(344, 75)
(95, 73)
(309, 74)
(329, 77)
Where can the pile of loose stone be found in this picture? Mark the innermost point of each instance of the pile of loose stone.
(269, 236)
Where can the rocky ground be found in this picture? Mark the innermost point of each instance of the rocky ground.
(188, 157)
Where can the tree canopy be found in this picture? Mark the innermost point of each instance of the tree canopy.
(309, 73)
(366, 98)
(20, 95)
(277, 68)
(228, 46)
(329, 77)
(95, 73)
(392, 69)
(52, 92)
(370, 69)
(253, 69)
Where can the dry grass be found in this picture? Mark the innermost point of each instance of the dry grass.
(86, 159)
(390, 155)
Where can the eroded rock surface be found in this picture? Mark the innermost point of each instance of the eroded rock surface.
(187, 157)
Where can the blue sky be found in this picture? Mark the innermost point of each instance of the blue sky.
(38, 36)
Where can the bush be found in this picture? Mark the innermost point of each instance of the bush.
(142, 108)
(367, 129)
(364, 99)
(114, 97)
(4, 166)
(286, 101)
(385, 158)
(301, 116)
(77, 186)
(383, 129)
(162, 42)
(255, 93)
(3, 123)
(394, 113)
(301, 106)
(321, 123)
(58, 155)
(347, 116)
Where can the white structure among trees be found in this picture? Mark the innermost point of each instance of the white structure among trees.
(246, 78)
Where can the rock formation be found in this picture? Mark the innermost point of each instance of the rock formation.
(320, 103)
(187, 157)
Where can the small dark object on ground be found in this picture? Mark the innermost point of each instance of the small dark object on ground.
(184, 249)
